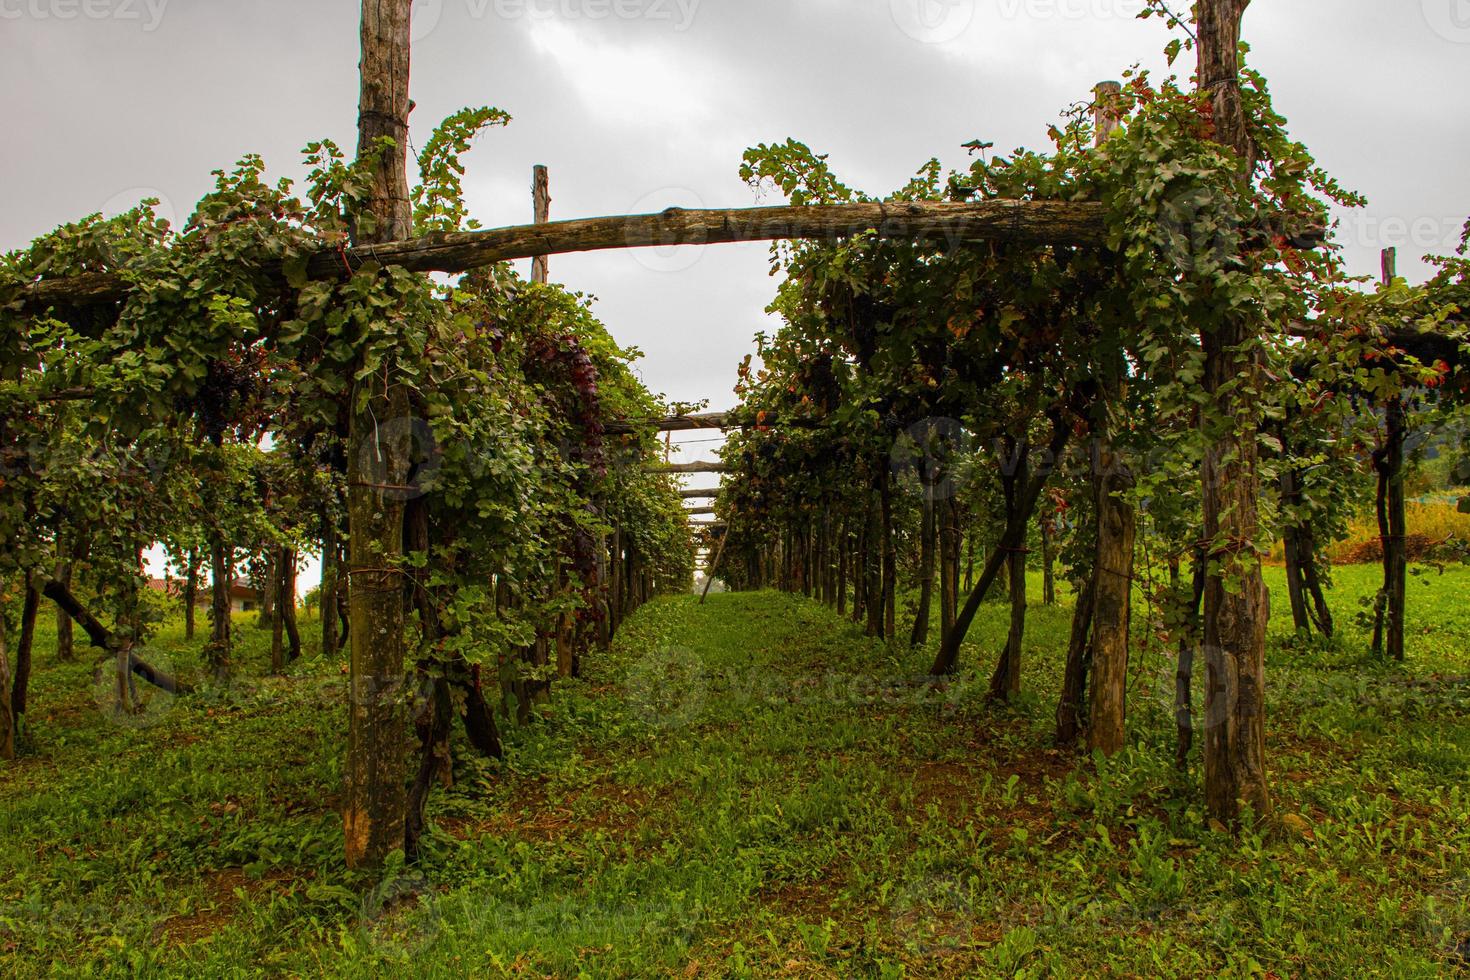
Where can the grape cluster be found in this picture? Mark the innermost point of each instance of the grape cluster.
(230, 394)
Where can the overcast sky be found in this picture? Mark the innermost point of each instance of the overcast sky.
(638, 105)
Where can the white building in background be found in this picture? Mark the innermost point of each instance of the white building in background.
(243, 597)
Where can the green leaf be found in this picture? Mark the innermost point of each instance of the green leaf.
(294, 267)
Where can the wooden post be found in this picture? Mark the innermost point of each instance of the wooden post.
(1112, 568)
(604, 595)
(30, 607)
(1073, 702)
(286, 605)
(873, 575)
(376, 799)
(328, 592)
(919, 635)
(1048, 561)
(615, 585)
(65, 564)
(1235, 617)
(222, 577)
(1388, 629)
(191, 599)
(949, 564)
(277, 616)
(1291, 539)
(1005, 684)
(7, 716)
(541, 202)
(844, 558)
(1184, 673)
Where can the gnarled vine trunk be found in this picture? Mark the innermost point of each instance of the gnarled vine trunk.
(920, 634)
(1071, 707)
(949, 565)
(331, 637)
(23, 650)
(1014, 536)
(1184, 674)
(65, 639)
(222, 576)
(7, 716)
(191, 592)
(1005, 683)
(1392, 602)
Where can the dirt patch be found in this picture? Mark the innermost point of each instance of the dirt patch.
(218, 907)
(603, 807)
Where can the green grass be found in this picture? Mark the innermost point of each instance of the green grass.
(750, 788)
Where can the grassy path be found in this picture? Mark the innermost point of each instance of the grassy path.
(750, 788)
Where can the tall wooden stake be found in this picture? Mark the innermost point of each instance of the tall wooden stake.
(7, 717)
(541, 201)
(379, 457)
(1113, 559)
(1235, 617)
(1392, 514)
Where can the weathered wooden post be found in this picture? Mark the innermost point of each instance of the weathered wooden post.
(1235, 617)
(541, 202)
(65, 563)
(1112, 568)
(1388, 626)
(919, 635)
(379, 459)
(328, 592)
(222, 577)
(7, 717)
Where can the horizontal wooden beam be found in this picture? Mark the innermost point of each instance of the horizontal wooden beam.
(1036, 223)
(699, 494)
(1426, 346)
(700, 512)
(689, 468)
(674, 423)
(1024, 222)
